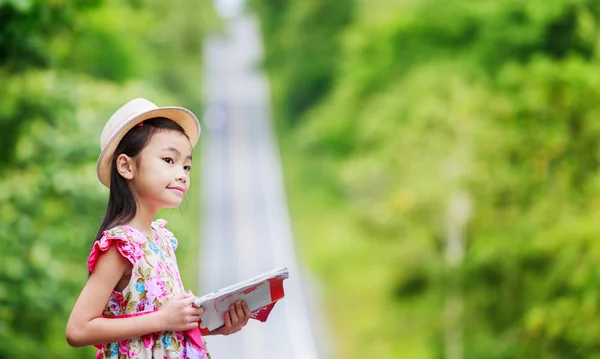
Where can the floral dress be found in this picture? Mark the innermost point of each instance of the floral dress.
(154, 279)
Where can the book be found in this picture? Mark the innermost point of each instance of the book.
(260, 293)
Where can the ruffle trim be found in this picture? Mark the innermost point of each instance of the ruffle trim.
(160, 224)
(123, 241)
(124, 237)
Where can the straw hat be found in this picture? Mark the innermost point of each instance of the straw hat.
(132, 113)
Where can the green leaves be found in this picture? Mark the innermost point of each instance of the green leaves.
(65, 67)
(304, 61)
(427, 99)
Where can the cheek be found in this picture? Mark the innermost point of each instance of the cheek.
(151, 179)
(155, 170)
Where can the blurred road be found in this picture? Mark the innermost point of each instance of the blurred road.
(245, 226)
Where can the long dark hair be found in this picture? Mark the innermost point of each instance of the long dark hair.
(122, 205)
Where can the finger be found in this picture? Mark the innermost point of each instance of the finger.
(247, 312)
(182, 295)
(233, 314)
(188, 300)
(175, 297)
(198, 310)
(227, 320)
(236, 320)
(239, 311)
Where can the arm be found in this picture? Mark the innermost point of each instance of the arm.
(86, 325)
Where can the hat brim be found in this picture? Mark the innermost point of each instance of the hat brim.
(183, 117)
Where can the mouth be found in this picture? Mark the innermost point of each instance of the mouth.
(178, 190)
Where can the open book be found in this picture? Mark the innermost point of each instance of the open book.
(260, 293)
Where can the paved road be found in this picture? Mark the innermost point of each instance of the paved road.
(245, 226)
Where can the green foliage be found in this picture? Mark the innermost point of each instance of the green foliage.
(303, 62)
(64, 68)
(431, 99)
(28, 27)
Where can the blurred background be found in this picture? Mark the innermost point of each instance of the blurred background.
(439, 161)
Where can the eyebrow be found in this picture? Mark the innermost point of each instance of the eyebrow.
(173, 149)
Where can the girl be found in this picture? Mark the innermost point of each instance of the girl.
(134, 304)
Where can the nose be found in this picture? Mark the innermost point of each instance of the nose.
(182, 175)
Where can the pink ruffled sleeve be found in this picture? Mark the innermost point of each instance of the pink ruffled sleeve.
(123, 240)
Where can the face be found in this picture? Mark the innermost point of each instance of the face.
(161, 172)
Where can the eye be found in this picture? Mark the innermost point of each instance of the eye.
(168, 160)
(187, 168)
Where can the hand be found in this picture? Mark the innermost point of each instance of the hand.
(235, 319)
(179, 314)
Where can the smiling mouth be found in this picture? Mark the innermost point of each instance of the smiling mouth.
(178, 190)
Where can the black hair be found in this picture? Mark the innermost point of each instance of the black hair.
(122, 205)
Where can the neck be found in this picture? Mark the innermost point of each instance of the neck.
(143, 218)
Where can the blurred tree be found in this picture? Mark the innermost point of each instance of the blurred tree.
(431, 98)
(64, 68)
(303, 62)
(27, 29)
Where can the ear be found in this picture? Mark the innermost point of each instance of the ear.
(125, 166)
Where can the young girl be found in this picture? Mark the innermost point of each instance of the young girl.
(134, 304)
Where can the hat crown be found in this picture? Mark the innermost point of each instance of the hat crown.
(122, 116)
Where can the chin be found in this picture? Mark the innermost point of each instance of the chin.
(172, 205)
